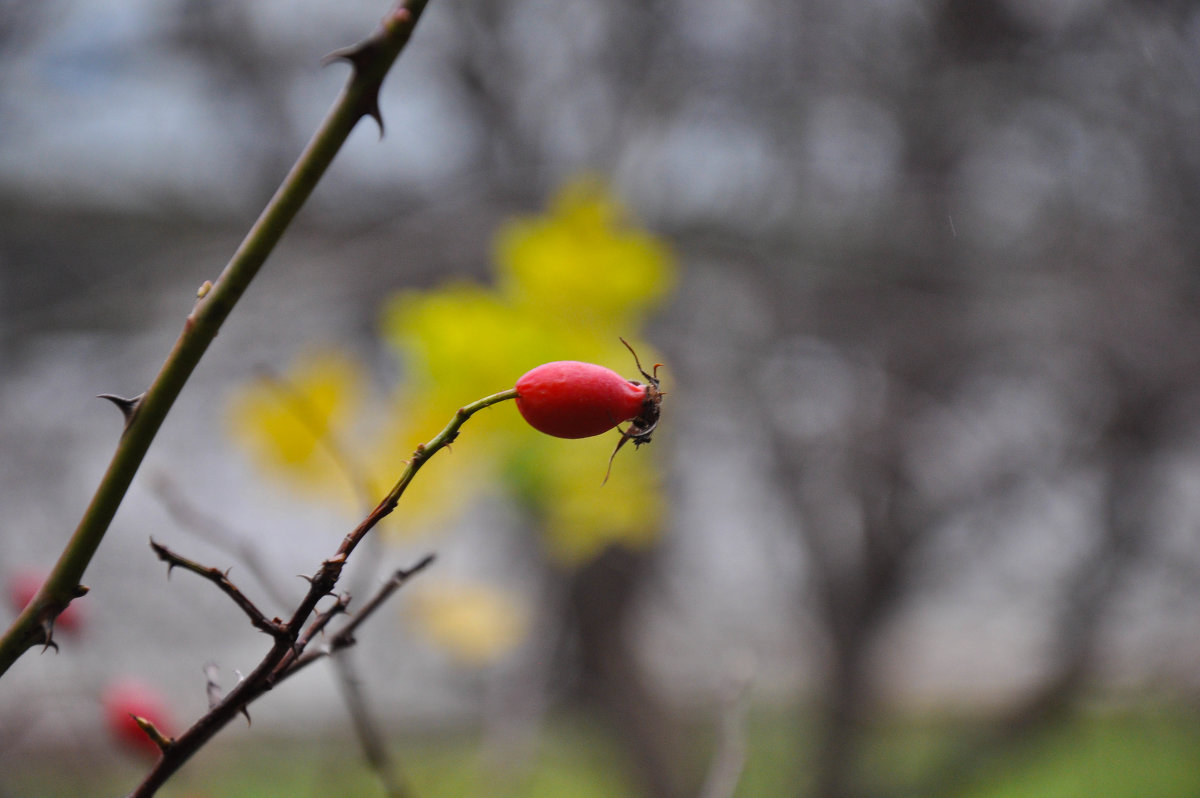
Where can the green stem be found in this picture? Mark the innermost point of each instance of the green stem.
(419, 458)
(371, 60)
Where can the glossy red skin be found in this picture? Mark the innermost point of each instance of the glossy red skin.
(570, 399)
(24, 585)
(130, 697)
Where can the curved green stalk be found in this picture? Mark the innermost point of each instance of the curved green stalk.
(371, 60)
(419, 458)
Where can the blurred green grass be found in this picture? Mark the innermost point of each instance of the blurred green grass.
(1125, 755)
(1131, 753)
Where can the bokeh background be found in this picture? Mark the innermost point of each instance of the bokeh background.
(922, 516)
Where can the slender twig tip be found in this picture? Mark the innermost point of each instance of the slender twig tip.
(163, 742)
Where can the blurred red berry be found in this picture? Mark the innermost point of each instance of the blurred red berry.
(128, 697)
(569, 399)
(24, 585)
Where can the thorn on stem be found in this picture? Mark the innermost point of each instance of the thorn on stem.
(48, 636)
(164, 554)
(127, 406)
(360, 57)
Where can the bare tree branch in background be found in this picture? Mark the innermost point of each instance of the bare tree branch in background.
(244, 73)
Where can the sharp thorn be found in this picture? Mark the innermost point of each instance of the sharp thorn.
(360, 57)
(355, 55)
(127, 406)
(374, 112)
(337, 55)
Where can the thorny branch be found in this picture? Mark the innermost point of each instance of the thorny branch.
(211, 530)
(284, 657)
(374, 748)
(221, 580)
(281, 662)
(345, 636)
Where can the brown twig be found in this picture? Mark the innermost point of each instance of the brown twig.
(210, 529)
(266, 675)
(374, 748)
(344, 638)
(221, 580)
(367, 730)
(316, 628)
(268, 672)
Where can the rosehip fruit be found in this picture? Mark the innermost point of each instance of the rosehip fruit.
(24, 585)
(126, 698)
(570, 399)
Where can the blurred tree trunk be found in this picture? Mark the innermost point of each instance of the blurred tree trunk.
(600, 604)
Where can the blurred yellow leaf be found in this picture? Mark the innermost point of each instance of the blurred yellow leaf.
(586, 516)
(476, 624)
(582, 264)
(289, 423)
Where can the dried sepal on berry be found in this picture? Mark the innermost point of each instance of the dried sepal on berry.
(644, 424)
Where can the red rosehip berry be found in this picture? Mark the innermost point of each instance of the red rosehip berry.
(569, 399)
(24, 585)
(126, 698)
